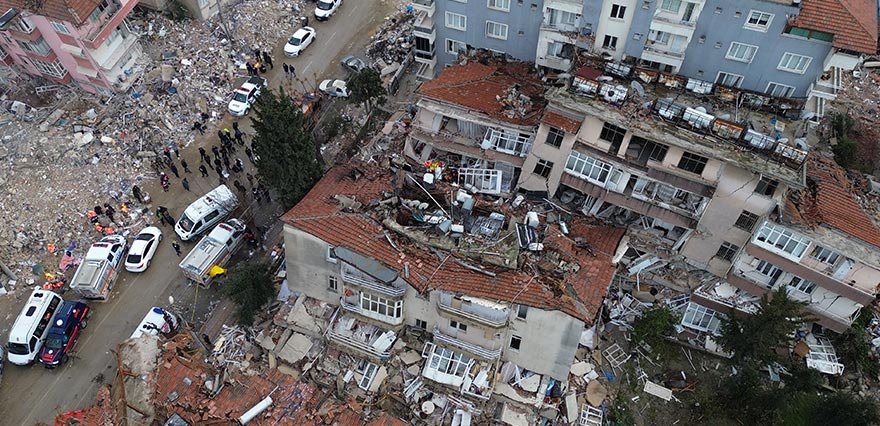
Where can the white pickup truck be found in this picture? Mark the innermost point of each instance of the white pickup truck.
(98, 270)
(214, 249)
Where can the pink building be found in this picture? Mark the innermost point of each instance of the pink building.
(84, 42)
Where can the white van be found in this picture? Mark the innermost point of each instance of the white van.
(31, 327)
(205, 212)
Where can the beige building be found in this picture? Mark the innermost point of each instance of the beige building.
(362, 240)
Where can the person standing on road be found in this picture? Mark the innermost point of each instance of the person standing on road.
(185, 184)
(203, 170)
(185, 166)
(268, 59)
(174, 170)
(218, 166)
(110, 211)
(250, 154)
(197, 126)
(286, 70)
(238, 136)
(202, 153)
(292, 71)
(176, 247)
(136, 192)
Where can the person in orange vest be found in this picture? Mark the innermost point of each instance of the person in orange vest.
(92, 216)
(99, 228)
(108, 231)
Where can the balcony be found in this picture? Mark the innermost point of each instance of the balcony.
(672, 54)
(474, 310)
(353, 277)
(368, 339)
(426, 6)
(426, 57)
(555, 62)
(486, 353)
(424, 27)
(675, 21)
(106, 21)
(455, 143)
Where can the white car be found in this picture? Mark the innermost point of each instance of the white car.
(142, 249)
(325, 8)
(299, 41)
(334, 88)
(244, 97)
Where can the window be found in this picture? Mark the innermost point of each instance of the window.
(610, 42)
(444, 361)
(39, 46)
(659, 37)
(496, 30)
(332, 284)
(795, 63)
(499, 5)
(331, 254)
(522, 311)
(741, 52)
(766, 186)
(700, 318)
(758, 20)
(617, 11)
(457, 325)
(55, 69)
(515, 342)
(559, 17)
(24, 24)
(727, 251)
(554, 48)
(554, 137)
(728, 79)
(802, 285)
(455, 47)
(746, 221)
(381, 305)
(779, 90)
(102, 6)
(692, 163)
(543, 167)
(60, 27)
(775, 236)
(456, 21)
(368, 371)
(671, 5)
(824, 255)
(588, 167)
(612, 133)
(421, 324)
(647, 150)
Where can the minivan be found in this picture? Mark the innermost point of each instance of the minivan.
(205, 212)
(32, 326)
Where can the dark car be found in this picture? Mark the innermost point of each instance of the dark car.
(353, 64)
(70, 320)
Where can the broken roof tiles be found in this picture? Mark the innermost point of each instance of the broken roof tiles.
(852, 22)
(578, 292)
(829, 200)
(562, 121)
(508, 92)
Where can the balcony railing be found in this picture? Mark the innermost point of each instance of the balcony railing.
(486, 353)
(673, 21)
(426, 6)
(351, 276)
(496, 319)
(373, 347)
(678, 55)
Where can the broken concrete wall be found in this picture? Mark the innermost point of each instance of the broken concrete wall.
(307, 266)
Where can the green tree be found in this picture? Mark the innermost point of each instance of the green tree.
(653, 325)
(853, 347)
(365, 86)
(288, 159)
(840, 408)
(249, 286)
(754, 339)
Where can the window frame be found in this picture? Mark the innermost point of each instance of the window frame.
(757, 26)
(746, 221)
(448, 362)
(556, 135)
(330, 254)
(450, 18)
(806, 287)
(764, 184)
(610, 133)
(689, 159)
(489, 5)
(739, 79)
(497, 25)
(781, 239)
(584, 160)
(618, 11)
(664, 6)
(518, 340)
(47, 68)
(458, 325)
(738, 46)
(522, 312)
(451, 41)
(333, 283)
(60, 27)
(824, 255)
(789, 90)
(545, 166)
(610, 42)
(791, 55)
(727, 251)
(393, 308)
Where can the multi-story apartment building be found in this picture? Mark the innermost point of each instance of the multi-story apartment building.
(446, 28)
(198, 9)
(481, 120)
(819, 244)
(356, 242)
(86, 43)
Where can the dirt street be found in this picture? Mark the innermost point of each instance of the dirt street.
(32, 395)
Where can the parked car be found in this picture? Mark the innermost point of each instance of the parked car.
(244, 97)
(353, 64)
(70, 320)
(299, 41)
(142, 249)
(334, 88)
(325, 8)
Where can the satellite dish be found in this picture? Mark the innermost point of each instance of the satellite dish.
(801, 143)
(724, 117)
(605, 78)
(638, 87)
(701, 109)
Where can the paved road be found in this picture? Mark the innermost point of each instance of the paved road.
(33, 395)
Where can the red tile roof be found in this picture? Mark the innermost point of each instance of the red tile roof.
(75, 11)
(853, 22)
(829, 200)
(561, 121)
(388, 420)
(478, 87)
(578, 293)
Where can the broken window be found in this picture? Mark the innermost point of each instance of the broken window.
(766, 186)
(368, 371)
(543, 168)
(614, 135)
(515, 342)
(508, 141)
(588, 167)
(641, 150)
(487, 181)
(331, 254)
(381, 305)
(449, 362)
(824, 255)
(802, 285)
(727, 251)
(701, 318)
(776, 237)
(746, 221)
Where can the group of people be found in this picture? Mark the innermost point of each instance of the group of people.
(94, 217)
(261, 59)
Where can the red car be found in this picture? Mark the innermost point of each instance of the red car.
(70, 319)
